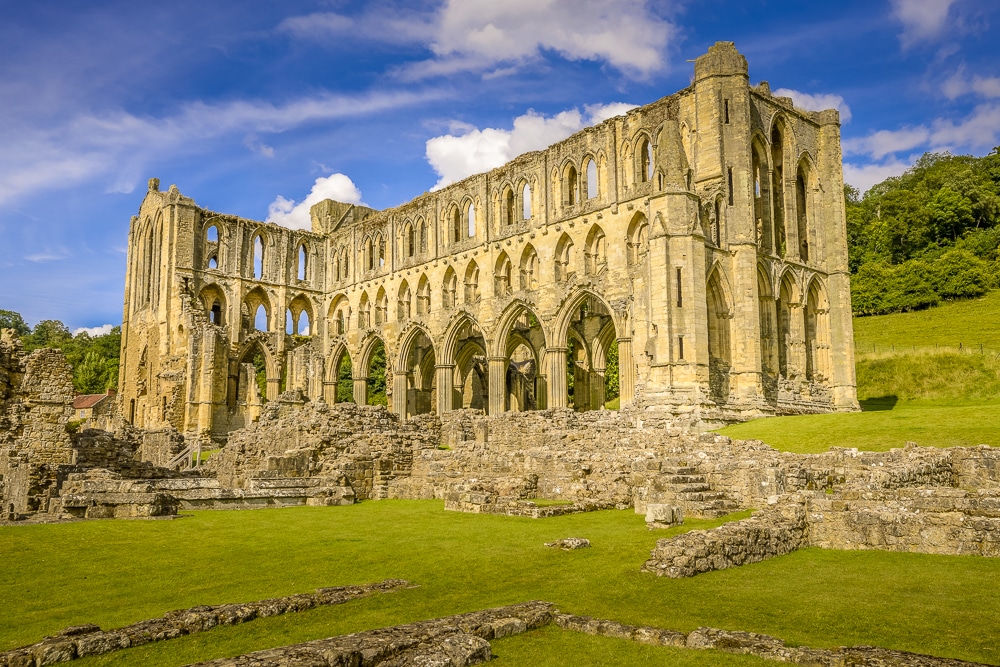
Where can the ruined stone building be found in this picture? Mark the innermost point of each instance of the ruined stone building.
(703, 233)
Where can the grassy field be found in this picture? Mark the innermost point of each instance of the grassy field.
(971, 322)
(909, 390)
(116, 572)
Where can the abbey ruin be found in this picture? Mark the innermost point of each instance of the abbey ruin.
(703, 234)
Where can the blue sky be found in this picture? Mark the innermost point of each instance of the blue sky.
(260, 108)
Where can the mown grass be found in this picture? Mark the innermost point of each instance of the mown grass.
(113, 573)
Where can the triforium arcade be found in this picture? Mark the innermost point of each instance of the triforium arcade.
(702, 235)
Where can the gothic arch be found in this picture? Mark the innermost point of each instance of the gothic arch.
(506, 320)
(503, 274)
(451, 332)
(638, 239)
(214, 300)
(564, 259)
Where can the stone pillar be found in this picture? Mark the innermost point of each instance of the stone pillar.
(400, 403)
(597, 396)
(273, 388)
(555, 358)
(445, 387)
(498, 385)
(626, 372)
(361, 391)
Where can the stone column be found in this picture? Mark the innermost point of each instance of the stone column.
(498, 385)
(597, 395)
(626, 372)
(555, 358)
(445, 387)
(400, 402)
(361, 391)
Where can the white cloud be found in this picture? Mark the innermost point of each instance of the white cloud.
(922, 20)
(977, 132)
(93, 332)
(479, 35)
(288, 213)
(115, 146)
(47, 256)
(455, 157)
(959, 85)
(817, 102)
(864, 176)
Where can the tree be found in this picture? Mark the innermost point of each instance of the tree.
(48, 333)
(91, 376)
(12, 320)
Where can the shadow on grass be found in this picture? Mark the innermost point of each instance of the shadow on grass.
(879, 403)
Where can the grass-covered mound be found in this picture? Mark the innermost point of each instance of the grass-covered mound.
(115, 572)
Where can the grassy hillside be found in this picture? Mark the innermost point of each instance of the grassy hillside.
(930, 377)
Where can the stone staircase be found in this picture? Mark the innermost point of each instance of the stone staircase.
(684, 487)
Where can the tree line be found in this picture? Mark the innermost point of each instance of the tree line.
(94, 359)
(931, 234)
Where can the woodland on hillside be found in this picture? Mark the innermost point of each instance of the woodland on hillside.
(931, 234)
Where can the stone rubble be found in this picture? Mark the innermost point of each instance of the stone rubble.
(569, 543)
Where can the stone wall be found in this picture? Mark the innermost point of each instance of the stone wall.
(367, 447)
(774, 532)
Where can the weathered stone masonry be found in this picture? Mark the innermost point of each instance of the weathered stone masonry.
(704, 233)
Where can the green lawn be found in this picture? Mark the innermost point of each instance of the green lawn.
(930, 424)
(116, 572)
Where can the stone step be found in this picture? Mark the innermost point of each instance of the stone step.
(684, 489)
(686, 479)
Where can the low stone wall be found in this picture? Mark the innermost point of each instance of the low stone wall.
(763, 646)
(773, 532)
(86, 640)
(924, 520)
(454, 641)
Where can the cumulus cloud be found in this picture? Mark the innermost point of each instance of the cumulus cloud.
(817, 102)
(288, 213)
(93, 332)
(864, 176)
(455, 157)
(480, 35)
(922, 20)
(116, 145)
(977, 132)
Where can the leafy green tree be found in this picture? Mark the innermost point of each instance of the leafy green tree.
(611, 386)
(345, 381)
(91, 375)
(48, 333)
(377, 376)
(13, 320)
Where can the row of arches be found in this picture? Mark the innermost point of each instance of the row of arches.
(783, 187)
(258, 258)
(147, 272)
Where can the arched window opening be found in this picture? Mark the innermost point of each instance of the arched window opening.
(377, 374)
(289, 322)
(645, 154)
(381, 251)
(526, 202)
(719, 350)
(258, 258)
(345, 379)
(409, 247)
(801, 214)
(571, 185)
(302, 326)
(369, 255)
(592, 185)
(260, 319)
(612, 388)
(471, 213)
(778, 188)
(597, 252)
(341, 323)
(423, 296)
(216, 315)
(638, 240)
(302, 262)
(761, 204)
(345, 264)
(521, 380)
(456, 225)
(404, 302)
(364, 312)
(212, 234)
(502, 276)
(768, 336)
(422, 235)
(449, 295)
(817, 335)
(381, 307)
(508, 206)
(529, 268)
(472, 284)
(564, 251)
(213, 262)
(787, 306)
